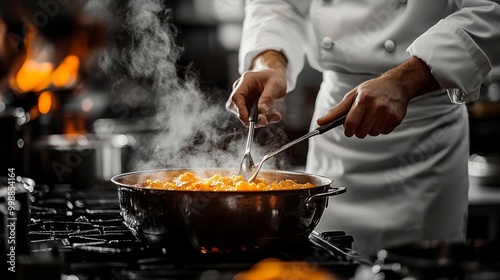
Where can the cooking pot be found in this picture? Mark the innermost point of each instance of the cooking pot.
(81, 160)
(222, 222)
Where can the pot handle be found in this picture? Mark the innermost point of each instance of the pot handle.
(316, 238)
(331, 191)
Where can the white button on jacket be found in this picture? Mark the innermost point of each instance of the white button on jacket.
(389, 45)
(327, 43)
(412, 183)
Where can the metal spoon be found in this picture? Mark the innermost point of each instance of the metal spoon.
(247, 165)
(320, 130)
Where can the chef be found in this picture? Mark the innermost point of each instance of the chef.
(399, 69)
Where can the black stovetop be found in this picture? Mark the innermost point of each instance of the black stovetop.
(80, 233)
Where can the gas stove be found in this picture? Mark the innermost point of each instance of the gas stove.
(79, 233)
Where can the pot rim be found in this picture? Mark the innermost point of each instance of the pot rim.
(327, 181)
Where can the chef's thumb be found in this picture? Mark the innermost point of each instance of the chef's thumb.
(340, 109)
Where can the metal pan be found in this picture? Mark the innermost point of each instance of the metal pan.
(222, 222)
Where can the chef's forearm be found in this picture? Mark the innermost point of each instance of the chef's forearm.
(270, 60)
(414, 77)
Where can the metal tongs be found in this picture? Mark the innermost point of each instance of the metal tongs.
(247, 165)
(320, 130)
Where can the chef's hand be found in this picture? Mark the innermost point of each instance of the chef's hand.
(379, 105)
(266, 81)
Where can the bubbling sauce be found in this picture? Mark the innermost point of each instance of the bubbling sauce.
(190, 182)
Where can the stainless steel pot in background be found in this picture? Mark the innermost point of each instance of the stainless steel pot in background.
(81, 160)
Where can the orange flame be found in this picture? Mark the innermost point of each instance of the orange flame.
(37, 72)
(44, 102)
(34, 76)
(74, 125)
(66, 74)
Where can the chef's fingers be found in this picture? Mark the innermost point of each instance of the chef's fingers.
(355, 116)
(390, 126)
(267, 102)
(387, 130)
(377, 128)
(348, 106)
(261, 121)
(364, 126)
(241, 98)
(235, 84)
(236, 104)
(340, 109)
(273, 89)
(272, 116)
(384, 124)
(374, 118)
(267, 86)
(231, 107)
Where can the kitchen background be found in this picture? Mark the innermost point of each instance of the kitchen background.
(84, 133)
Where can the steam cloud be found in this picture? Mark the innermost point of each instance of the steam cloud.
(193, 129)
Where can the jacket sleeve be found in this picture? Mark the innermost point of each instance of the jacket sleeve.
(462, 49)
(275, 25)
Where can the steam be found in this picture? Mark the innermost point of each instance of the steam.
(192, 127)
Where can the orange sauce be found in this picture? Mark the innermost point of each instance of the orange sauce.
(190, 182)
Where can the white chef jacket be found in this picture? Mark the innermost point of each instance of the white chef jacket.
(411, 184)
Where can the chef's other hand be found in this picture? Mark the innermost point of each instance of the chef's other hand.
(379, 105)
(266, 81)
